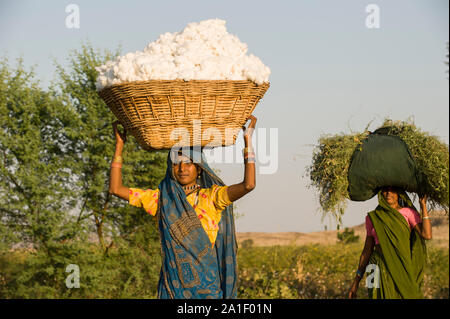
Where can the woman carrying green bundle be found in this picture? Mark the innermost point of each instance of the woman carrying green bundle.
(195, 219)
(394, 247)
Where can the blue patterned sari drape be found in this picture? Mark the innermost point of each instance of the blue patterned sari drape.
(191, 266)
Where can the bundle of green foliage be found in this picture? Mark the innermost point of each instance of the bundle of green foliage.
(331, 160)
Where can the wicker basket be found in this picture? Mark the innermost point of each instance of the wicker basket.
(160, 114)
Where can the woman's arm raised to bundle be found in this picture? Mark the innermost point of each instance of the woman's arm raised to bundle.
(115, 181)
(236, 191)
(424, 228)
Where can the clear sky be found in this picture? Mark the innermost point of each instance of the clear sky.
(330, 74)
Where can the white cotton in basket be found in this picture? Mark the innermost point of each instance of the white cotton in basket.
(202, 51)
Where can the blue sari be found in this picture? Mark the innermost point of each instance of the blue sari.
(191, 266)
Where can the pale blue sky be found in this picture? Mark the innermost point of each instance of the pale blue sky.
(330, 74)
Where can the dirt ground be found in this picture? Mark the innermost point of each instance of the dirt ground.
(439, 222)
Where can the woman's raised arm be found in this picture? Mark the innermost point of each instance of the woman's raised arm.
(115, 181)
(424, 228)
(236, 191)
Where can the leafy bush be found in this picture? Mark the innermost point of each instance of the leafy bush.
(320, 271)
(246, 244)
(347, 236)
(125, 272)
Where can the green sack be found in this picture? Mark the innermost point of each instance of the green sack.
(381, 160)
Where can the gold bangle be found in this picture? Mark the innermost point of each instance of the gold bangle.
(116, 164)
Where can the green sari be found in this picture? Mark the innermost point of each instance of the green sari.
(403, 254)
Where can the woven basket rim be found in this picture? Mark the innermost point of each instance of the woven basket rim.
(130, 102)
(206, 82)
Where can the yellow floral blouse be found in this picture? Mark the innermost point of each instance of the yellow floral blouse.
(211, 202)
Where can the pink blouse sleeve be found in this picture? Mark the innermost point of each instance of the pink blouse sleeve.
(412, 216)
(369, 226)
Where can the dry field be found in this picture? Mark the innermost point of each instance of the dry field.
(440, 235)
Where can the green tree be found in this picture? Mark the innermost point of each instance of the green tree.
(347, 236)
(55, 149)
(91, 149)
(34, 181)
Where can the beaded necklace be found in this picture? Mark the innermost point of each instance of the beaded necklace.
(188, 188)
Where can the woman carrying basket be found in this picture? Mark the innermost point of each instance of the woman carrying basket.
(195, 219)
(394, 247)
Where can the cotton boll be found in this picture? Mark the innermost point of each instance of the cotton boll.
(187, 74)
(202, 51)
